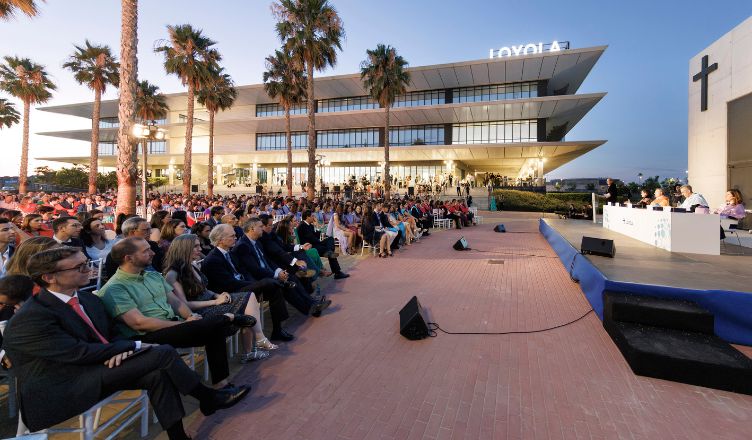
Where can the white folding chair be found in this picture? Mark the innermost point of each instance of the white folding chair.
(278, 218)
(199, 216)
(373, 247)
(95, 266)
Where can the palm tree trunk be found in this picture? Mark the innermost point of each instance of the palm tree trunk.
(210, 177)
(24, 150)
(188, 153)
(94, 159)
(387, 177)
(127, 157)
(311, 185)
(288, 136)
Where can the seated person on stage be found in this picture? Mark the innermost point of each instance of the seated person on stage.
(249, 254)
(223, 275)
(190, 286)
(644, 198)
(733, 208)
(308, 234)
(145, 308)
(660, 199)
(67, 358)
(692, 199)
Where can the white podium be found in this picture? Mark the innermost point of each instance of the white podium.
(672, 231)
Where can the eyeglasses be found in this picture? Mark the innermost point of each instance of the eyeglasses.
(82, 268)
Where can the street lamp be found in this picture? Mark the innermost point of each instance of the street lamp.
(145, 133)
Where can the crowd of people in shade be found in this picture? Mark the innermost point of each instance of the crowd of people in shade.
(192, 275)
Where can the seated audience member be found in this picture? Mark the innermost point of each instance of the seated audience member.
(308, 234)
(202, 230)
(67, 232)
(423, 218)
(644, 198)
(34, 227)
(27, 249)
(67, 358)
(139, 228)
(336, 229)
(382, 222)
(170, 230)
(372, 234)
(215, 215)
(14, 291)
(93, 236)
(660, 199)
(692, 199)
(7, 240)
(733, 208)
(230, 219)
(285, 232)
(223, 275)
(249, 254)
(189, 285)
(158, 220)
(145, 308)
(292, 257)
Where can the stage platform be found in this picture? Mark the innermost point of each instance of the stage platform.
(721, 284)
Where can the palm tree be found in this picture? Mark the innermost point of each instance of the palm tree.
(127, 171)
(312, 31)
(95, 67)
(8, 114)
(217, 95)
(8, 8)
(190, 56)
(28, 82)
(150, 106)
(283, 80)
(384, 77)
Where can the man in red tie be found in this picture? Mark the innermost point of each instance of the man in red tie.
(67, 358)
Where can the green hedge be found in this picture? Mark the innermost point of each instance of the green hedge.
(530, 201)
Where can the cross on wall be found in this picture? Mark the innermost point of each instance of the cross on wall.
(702, 76)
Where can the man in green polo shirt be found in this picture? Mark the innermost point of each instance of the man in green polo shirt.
(145, 308)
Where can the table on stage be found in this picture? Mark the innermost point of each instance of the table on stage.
(672, 231)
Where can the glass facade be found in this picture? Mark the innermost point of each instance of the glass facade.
(352, 138)
(109, 122)
(417, 99)
(416, 135)
(496, 93)
(496, 132)
(110, 148)
(274, 109)
(346, 104)
(277, 141)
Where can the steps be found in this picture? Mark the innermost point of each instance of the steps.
(674, 340)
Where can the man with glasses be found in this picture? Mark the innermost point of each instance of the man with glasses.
(67, 358)
(136, 227)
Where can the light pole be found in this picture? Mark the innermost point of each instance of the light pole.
(639, 176)
(146, 133)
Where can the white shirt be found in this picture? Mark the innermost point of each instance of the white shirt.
(95, 253)
(694, 199)
(5, 257)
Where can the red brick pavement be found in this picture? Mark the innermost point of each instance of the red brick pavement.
(350, 375)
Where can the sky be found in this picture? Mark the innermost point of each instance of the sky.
(645, 70)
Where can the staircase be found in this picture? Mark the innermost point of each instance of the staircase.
(674, 340)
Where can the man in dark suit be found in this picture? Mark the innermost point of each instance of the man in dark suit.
(249, 254)
(7, 238)
(215, 215)
(66, 231)
(291, 257)
(223, 273)
(611, 195)
(308, 234)
(67, 358)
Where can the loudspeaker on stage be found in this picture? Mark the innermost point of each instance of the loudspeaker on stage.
(598, 246)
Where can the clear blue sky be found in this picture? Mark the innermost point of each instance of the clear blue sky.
(644, 70)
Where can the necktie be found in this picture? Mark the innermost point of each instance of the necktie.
(236, 274)
(262, 261)
(73, 302)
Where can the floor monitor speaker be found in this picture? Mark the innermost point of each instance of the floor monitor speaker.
(500, 228)
(598, 246)
(461, 245)
(412, 324)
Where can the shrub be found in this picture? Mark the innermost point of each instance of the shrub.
(530, 201)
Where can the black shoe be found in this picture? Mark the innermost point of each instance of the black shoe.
(318, 298)
(281, 335)
(426, 234)
(316, 309)
(289, 284)
(224, 398)
(340, 275)
(241, 320)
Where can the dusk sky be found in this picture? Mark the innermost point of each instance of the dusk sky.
(645, 69)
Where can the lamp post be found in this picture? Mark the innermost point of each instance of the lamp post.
(145, 133)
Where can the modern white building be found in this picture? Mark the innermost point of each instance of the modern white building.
(507, 115)
(720, 132)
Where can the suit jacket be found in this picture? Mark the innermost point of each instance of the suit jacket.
(76, 242)
(381, 217)
(277, 250)
(249, 262)
(58, 358)
(220, 275)
(308, 234)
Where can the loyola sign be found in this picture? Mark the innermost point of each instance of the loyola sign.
(527, 49)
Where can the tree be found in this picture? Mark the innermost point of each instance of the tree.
(8, 114)
(218, 94)
(284, 80)
(189, 55)
(96, 68)
(384, 76)
(127, 171)
(312, 31)
(8, 8)
(28, 82)
(150, 106)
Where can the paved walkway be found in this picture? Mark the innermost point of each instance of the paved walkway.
(350, 375)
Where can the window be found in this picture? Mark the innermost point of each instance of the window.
(107, 148)
(109, 122)
(415, 99)
(417, 135)
(274, 109)
(498, 132)
(496, 92)
(346, 104)
(351, 138)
